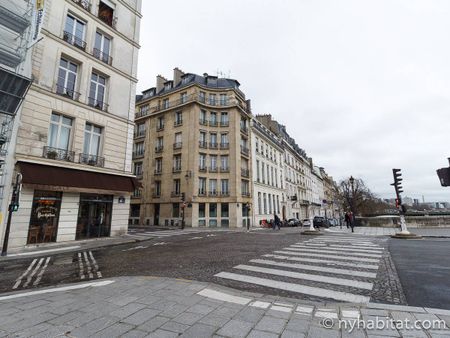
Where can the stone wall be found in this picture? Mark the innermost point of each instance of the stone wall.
(411, 221)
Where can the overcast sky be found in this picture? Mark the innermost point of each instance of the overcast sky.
(363, 86)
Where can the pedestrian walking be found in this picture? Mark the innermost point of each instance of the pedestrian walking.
(351, 220)
(347, 219)
(277, 221)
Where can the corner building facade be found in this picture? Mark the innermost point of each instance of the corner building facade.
(74, 143)
(193, 146)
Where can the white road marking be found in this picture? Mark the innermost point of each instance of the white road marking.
(323, 261)
(355, 259)
(338, 248)
(19, 280)
(323, 314)
(350, 314)
(88, 265)
(298, 288)
(195, 238)
(94, 262)
(316, 268)
(209, 293)
(259, 304)
(304, 309)
(31, 253)
(41, 273)
(331, 251)
(306, 276)
(160, 243)
(61, 289)
(354, 244)
(337, 245)
(281, 308)
(30, 276)
(80, 264)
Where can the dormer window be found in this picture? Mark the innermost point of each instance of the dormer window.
(168, 86)
(185, 80)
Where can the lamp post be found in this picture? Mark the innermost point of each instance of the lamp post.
(352, 184)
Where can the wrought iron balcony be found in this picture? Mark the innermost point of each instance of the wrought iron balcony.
(202, 168)
(67, 92)
(244, 150)
(97, 104)
(86, 4)
(157, 194)
(224, 146)
(74, 40)
(175, 194)
(202, 192)
(224, 169)
(224, 123)
(246, 193)
(93, 160)
(213, 169)
(203, 122)
(58, 154)
(176, 169)
(245, 172)
(177, 123)
(244, 129)
(213, 193)
(98, 54)
(213, 123)
(159, 149)
(158, 171)
(225, 193)
(213, 145)
(138, 154)
(177, 145)
(202, 144)
(160, 127)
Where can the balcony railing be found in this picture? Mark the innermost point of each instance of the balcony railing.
(202, 168)
(244, 129)
(246, 193)
(98, 54)
(202, 192)
(67, 92)
(203, 122)
(139, 134)
(74, 40)
(245, 172)
(160, 127)
(97, 104)
(158, 171)
(224, 123)
(83, 3)
(213, 123)
(213, 145)
(230, 102)
(177, 145)
(202, 144)
(93, 160)
(244, 150)
(178, 123)
(175, 194)
(176, 169)
(213, 169)
(156, 194)
(58, 154)
(138, 154)
(159, 149)
(213, 193)
(224, 193)
(224, 146)
(224, 169)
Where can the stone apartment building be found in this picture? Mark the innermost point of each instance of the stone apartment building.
(192, 145)
(268, 173)
(74, 143)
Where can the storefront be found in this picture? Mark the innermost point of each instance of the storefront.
(62, 204)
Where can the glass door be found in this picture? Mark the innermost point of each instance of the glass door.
(94, 216)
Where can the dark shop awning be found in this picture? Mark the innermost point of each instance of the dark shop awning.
(63, 177)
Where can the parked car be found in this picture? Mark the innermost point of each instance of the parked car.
(306, 222)
(294, 222)
(332, 222)
(320, 221)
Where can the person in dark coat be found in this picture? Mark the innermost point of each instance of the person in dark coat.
(347, 219)
(277, 221)
(351, 220)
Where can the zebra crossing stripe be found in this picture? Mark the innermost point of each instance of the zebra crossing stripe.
(96, 269)
(316, 268)
(88, 265)
(324, 261)
(354, 247)
(307, 276)
(331, 251)
(81, 266)
(41, 273)
(344, 248)
(298, 288)
(19, 280)
(30, 276)
(346, 258)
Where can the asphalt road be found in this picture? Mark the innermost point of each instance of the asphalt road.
(424, 270)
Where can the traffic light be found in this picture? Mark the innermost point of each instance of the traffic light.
(444, 176)
(397, 182)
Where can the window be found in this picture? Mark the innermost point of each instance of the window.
(74, 32)
(201, 97)
(201, 210)
(97, 91)
(276, 177)
(213, 187)
(224, 187)
(202, 139)
(177, 162)
(270, 203)
(259, 203)
(159, 143)
(183, 98)
(224, 140)
(168, 86)
(257, 145)
(157, 188)
(224, 162)
(272, 176)
(265, 203)
(177, 187)
(262, 174)
(213, 139)
(165, 104)
(257, 171)
(203, 116)
(137, 170)
(213, 161)
(223, 100)
(213, 119)
(60, 132)
(67, 79)
(268, 175)
(212, 99)
(178, 141)
(106, 13)
(158, 165)
(102, 48)
(224, 121)
(202, 162)
(245, 188)
(143, 110)
(278, 203)
(178, 118)
(139, 149)
(160, 123)
(175, 210)
(212, 209)
(140, 130)
(202, 186)
(92, 139)
(224, 210)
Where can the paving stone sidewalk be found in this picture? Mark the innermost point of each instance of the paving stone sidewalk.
(163, 307)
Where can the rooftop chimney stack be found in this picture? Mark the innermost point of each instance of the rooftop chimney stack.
(160, 80)
(177, 74)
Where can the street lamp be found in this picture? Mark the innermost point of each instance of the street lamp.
(352, 184)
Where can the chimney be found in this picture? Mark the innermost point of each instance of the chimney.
(160, 83)
(177, 74)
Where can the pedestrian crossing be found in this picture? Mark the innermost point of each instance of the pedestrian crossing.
(142, 235)
(332, 267)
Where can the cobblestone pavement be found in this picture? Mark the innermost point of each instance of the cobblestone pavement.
(163, 307)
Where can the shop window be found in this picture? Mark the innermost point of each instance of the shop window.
(44, 217)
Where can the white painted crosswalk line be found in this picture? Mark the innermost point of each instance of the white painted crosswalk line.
(81, 266)
(27, 271)
(94, 262)
(331, 251)
(355, 247)
(298, 288)
(307, 254)
(30, 276)
(41, 273)
(338, 248)
(358, 243)
(324, 261)
(307, 276)
(316, 268)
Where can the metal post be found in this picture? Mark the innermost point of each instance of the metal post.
(14, 199)
(8, 226)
